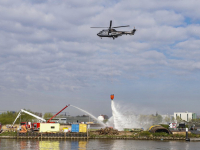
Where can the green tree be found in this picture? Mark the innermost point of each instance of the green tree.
(178, 119)
(167, 119)
(26, 117)
(7, 117)
(48, 115)
(172, 119)
(159, 119)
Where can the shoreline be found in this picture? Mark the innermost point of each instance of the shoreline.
(104, 137)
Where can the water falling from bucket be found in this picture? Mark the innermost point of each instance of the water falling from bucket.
(121, 119)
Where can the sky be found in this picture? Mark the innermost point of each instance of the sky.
(50, 57)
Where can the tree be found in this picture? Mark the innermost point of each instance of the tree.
(7, 117)
(178, 119)
(172, 119)
(167, 119)
(26, 117)
(48, 115)
(156, 119)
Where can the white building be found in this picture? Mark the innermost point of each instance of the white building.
(186, 116)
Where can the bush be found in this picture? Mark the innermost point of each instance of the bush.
(165, 125)
(145, 133)
(164, 134)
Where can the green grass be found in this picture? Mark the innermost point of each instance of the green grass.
(145, 133)
(165, 125)
(8, 134)
(163, 134)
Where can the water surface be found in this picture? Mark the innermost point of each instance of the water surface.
(95, 144)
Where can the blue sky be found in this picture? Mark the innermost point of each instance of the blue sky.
(50, 57)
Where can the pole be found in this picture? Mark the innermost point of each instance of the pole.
(186, 138)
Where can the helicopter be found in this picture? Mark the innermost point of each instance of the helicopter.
(112, 33)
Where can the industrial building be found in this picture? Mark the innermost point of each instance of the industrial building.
(73, 119)
(186, 116)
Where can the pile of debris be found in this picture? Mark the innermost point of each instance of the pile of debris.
(108, 131)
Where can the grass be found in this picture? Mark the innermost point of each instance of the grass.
(163, 134)
(145, 133)
(8, 134)
(165, 125)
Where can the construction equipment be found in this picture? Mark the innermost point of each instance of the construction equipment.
(39, 118)
(23, 129)
(57, 113)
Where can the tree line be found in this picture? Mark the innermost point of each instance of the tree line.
(9, 117)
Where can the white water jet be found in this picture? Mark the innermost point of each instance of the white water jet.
(122, 120)
(90, 115)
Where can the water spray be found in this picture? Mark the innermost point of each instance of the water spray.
(90, 115)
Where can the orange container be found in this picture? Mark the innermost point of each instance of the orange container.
(112, 96)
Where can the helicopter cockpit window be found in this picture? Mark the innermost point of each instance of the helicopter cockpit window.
(104, 32)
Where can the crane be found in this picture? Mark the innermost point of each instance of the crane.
(39, 118)
(58, 113)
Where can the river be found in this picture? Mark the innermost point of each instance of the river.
(96, 144)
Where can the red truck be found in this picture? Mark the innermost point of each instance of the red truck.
(32, 126)
(27, 124)
(35, 126)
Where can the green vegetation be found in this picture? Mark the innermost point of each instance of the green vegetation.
(48, 115)
(145, 133)
(165, 125)
(8, 117)
(160, 134)
(8, 134)
(139, 135)
(105, 120)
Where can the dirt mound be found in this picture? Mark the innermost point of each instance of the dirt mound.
(108, 131)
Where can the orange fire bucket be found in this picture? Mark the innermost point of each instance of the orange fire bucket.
(112, 96)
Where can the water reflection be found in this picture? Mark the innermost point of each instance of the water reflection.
(100, 144)
(82, 145)
(44, 145)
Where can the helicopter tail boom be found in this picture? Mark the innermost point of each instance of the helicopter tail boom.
(133, 31)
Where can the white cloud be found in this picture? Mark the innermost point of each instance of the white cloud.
(48, 46)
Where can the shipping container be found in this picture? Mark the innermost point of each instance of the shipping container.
(49, 127)
(75, 128)
(82, 128)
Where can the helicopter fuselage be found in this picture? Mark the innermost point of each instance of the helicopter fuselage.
(105, 33)
(114, 33)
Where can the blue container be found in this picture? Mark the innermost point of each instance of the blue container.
(75, 128)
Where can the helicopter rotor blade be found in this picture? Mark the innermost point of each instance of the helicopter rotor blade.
(109, 30)
(121, 26)
(98, 27)
(110, 24)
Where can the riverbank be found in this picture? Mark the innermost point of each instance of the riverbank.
(145, 135)
(117, 138)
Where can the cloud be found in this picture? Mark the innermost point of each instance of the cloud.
(47, 48)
